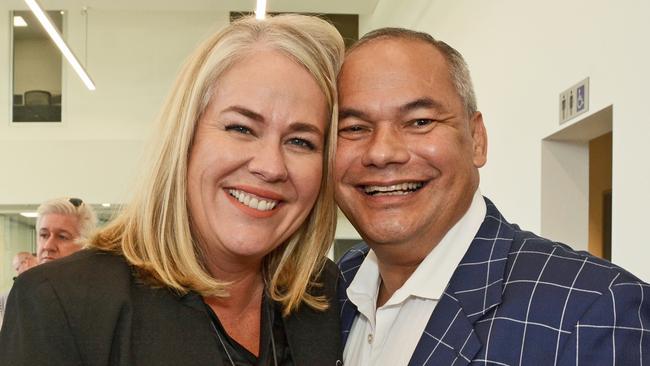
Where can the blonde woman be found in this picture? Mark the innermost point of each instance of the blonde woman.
(220, 258)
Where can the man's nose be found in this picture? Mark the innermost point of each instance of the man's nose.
(387, 146)
(51, 244)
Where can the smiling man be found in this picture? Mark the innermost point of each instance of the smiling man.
(442, 277)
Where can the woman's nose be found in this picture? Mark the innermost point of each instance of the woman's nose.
(269, 163)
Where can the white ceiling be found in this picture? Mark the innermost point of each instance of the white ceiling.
(310, 6)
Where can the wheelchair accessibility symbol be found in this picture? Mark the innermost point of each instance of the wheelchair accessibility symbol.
(580, 99)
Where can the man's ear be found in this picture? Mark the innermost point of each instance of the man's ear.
(479, 138)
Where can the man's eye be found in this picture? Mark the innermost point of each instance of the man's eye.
(420, 122)
(351, 129)
(302, 143)
(240, 129)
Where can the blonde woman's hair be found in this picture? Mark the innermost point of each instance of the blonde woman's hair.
(85, 215)
(154, 232)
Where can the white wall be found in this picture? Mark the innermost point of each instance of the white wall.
(133, 57)
(522, 54)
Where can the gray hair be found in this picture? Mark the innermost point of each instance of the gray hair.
(458, 70)
(72, 207)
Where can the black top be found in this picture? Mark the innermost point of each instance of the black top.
(89, 309)
(274, 348)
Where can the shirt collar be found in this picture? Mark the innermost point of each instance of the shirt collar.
(431, 277)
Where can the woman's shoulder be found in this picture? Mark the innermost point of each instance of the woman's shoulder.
(330, 271)
(328, 277)
(86, 262)
(79, 272)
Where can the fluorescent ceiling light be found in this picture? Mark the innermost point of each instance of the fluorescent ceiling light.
(51, 30)
(29, 214)
(260, 11)
(106, 205)
(19, 21)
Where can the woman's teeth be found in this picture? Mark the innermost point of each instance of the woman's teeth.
(253, 201)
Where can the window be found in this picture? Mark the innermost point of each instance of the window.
(36, 70)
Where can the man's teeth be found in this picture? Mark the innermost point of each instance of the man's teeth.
(392, 190)
(253, 201)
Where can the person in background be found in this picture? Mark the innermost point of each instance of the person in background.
(443, 278)
(63, 226)
(21, 262)
(220, 257)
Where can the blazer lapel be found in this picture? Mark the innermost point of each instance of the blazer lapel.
(475, 288)
(199, 333)
(313, 335)
(349, 265)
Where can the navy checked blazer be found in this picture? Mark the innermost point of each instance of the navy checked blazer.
(518, 299)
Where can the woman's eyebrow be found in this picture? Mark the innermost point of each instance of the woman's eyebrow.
(245, 112)
(305, 127)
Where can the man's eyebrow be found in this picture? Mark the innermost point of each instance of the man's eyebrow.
(425, 103)
(421, 103)
(245, 112)
(351, 112)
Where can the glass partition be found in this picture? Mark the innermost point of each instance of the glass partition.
(17, 234)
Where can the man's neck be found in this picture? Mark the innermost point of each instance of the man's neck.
(392, 278)
(398, 261)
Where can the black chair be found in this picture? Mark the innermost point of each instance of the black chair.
(38, 97)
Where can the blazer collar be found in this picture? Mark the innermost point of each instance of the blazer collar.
(477, 282)
(475, 287)
(349, 265)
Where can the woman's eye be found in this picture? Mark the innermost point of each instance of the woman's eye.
(240, 129)
(306, 144)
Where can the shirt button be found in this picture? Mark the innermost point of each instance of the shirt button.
(369, 338)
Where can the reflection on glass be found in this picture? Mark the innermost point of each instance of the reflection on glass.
(36, 70)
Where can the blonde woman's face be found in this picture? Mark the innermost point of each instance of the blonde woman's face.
(256, 164)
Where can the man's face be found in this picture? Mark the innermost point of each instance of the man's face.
(22, 263)
(408, 153)
(57, 237)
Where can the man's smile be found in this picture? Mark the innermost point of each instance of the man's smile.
(399, 189)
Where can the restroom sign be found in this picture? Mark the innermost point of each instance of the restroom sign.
(574, 101)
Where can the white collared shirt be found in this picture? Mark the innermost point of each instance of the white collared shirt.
(388, 335)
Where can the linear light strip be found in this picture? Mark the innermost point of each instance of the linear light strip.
(260, 11)
(51, 30)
